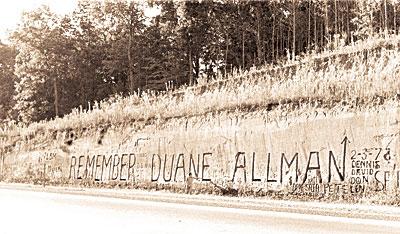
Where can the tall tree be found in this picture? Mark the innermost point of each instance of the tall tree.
(7, 79)
(38, 65)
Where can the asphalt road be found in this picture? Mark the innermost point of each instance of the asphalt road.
(39, 212)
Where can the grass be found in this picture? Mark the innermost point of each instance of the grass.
(361, 76)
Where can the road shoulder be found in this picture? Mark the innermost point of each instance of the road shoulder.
(363, 211)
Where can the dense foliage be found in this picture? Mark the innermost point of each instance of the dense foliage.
(57, 63)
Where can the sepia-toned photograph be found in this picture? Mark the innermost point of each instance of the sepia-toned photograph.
(199, 116)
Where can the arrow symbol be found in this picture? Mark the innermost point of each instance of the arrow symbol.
(344, 142)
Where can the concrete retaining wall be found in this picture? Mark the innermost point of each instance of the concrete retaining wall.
(347, 154)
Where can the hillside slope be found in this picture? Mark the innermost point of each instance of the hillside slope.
(316, 103)
(364, 75)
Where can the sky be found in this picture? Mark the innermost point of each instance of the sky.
(11, 11)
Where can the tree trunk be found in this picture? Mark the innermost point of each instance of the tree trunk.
(309, 26)
(294, 30)
(322, 39)
(326, 22)
(336, 17)
(56, 101)
(315, 29)
(243, 61)
(273, 37)
(82, 87)
(226, 54)
(55, 90)
(394, 18)
(131, 79)
(190, 66)
(341, 29)
(280, 46)
(386, 22)
(196, 67)
(370, 23)
(282, 38)
(259, 43)
(348, 21)
(382, 17)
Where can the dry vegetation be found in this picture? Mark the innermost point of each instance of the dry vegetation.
(352, 78)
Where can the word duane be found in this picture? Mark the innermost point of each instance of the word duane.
(169, 171)
(102, 167)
